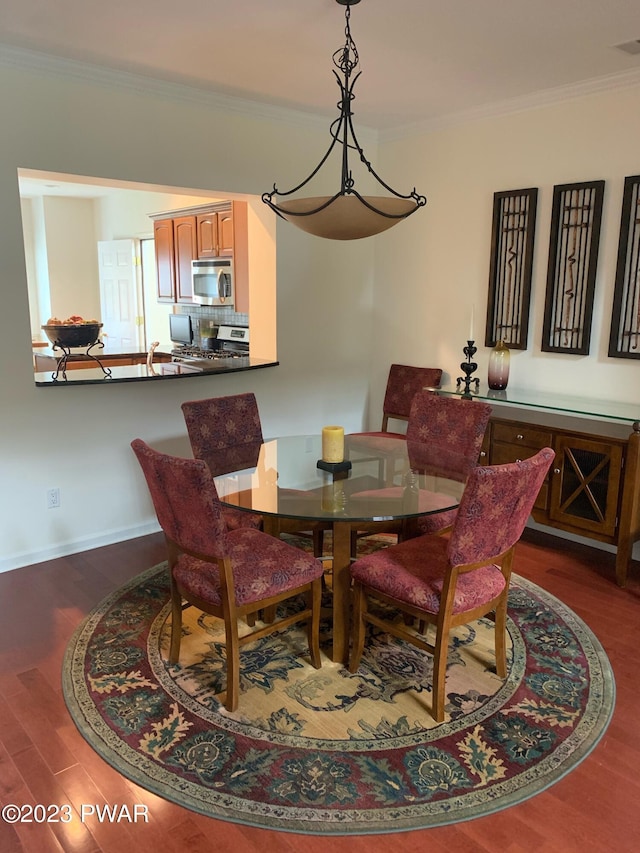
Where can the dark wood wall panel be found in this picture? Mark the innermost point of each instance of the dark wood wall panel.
(514, 220)
(624, 340)
(573, 259)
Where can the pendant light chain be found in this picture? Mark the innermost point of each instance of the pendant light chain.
(347, 214)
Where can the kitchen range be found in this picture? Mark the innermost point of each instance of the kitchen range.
(232, 342)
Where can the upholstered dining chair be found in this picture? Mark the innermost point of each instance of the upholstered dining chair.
(218, 426)
(403, 382)
(224, 430)
(452, 429)
(454, 580)
(444, 435)
(227, 573)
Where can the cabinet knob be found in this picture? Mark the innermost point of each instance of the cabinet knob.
(482, 454)
(519, 437)
(518, 460)
(556, 470)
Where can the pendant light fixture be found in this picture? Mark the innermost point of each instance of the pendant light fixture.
(347, 215)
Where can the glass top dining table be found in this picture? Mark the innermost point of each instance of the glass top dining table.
(389, 484)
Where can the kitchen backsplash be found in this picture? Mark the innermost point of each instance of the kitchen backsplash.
(204, 318)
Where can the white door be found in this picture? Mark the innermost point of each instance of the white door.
(121, 294)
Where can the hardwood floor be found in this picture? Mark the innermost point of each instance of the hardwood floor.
(43, 758)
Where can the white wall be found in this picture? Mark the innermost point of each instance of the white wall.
(345, 310)
(77, 438)
(438, 262)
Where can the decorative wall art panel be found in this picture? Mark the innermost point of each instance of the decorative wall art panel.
(624, 340)
(573, 258)
(514, 222)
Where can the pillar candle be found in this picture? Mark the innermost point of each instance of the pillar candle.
(333, 443)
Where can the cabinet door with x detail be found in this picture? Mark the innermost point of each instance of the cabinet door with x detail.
(585, 484)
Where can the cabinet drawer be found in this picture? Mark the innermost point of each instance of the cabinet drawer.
(521, 434)
(501, 453)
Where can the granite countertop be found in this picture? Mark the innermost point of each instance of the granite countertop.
(81, 352)
(142, 373)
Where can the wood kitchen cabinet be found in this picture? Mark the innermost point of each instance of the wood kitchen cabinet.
(165, 269)
(215, 235)
(185, 250)
(175, 247)
(199, 233)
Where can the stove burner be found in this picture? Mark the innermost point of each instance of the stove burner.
(197, 352)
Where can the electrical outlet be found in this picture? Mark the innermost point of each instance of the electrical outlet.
(53, 498)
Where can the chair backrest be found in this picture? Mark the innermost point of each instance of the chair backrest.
(495, 506)
(221, 422)
(448, 423)
(185, 500)
(403, 383)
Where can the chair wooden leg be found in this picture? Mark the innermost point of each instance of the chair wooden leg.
(354, 543)
(440, 655)
(314, 601)
(318, 542)
(233, 663)
(358, 626)
(176, 624)
(500, 628)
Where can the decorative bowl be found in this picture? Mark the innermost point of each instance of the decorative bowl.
(76, 335)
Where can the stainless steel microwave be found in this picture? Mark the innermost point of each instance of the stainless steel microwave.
(212, 281)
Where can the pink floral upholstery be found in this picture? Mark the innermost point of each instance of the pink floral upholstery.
(403, 383)
(225, 573)
(495, 506)
(185, 500)
(222, 422)
(221, 430)
(414, 574)
(449, 581)
(494, 509)
(226, 433)
(263, 567)
(450, 423)
(371, 442)
(445, 434)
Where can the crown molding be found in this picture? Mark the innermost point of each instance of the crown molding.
(537, 100)
(55, 66)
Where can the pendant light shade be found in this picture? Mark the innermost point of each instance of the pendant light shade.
(347, 215)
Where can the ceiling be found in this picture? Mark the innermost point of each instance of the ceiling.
(421, 60)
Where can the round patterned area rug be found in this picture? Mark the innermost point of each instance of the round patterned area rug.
(329, 752)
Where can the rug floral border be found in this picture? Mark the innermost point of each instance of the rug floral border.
(212, 795)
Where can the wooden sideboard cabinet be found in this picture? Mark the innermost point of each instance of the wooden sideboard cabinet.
(591, 489)
(593, 486)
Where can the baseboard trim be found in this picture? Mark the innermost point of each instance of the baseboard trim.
(63, 549)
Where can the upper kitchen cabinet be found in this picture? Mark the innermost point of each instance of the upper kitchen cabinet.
(165, 269)
(186, 235)
(176, 246)
(185, 250)
(215, 233)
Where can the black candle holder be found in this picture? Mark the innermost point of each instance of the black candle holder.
(468, 367)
